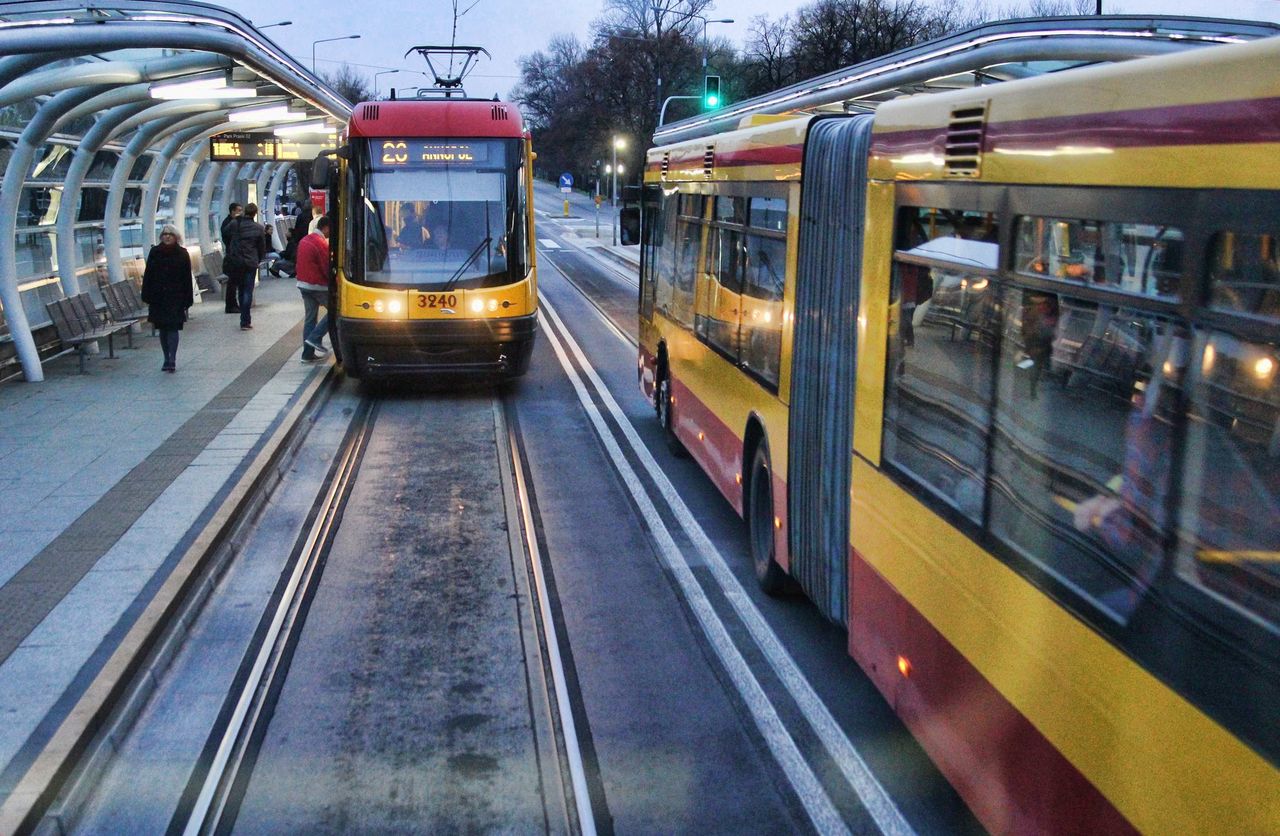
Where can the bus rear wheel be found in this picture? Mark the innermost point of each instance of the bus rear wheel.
(760, 525)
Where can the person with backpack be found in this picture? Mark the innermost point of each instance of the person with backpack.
(234, 211)
(248, 249)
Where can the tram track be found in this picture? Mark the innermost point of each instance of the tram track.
(217, 789)
(225, 781)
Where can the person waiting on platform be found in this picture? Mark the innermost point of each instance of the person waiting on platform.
(248, 248)
(234, 211)
(313, 284)
(166, 288)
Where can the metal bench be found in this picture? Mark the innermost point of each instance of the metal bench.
(78, 323)
(212, 278)
(125, 305)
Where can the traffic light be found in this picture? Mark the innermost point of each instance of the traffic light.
(711, 92)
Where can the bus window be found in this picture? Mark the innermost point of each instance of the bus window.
(761, 337)
(717, 312)
(731, 210)
(1230, 521)
(768, 213)
(659, 276)
(939, 387)
(1086, 400)
(1244, 273)
(1138, 258)
(687, 240)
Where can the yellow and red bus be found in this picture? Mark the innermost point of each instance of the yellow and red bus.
(433, 230)
(992, 375)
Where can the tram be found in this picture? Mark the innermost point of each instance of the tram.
(434, 261)
(992, 375)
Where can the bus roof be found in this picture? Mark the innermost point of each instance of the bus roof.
(437, 118)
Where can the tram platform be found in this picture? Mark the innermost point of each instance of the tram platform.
(107, 479)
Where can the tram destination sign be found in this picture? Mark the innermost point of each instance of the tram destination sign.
(425, 153)
(242, 146)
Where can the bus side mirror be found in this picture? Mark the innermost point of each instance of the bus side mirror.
(321, 171)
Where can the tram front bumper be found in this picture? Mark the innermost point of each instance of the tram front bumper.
(461, 346)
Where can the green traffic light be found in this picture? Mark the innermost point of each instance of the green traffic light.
(713, 101)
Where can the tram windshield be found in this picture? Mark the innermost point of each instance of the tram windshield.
(443, 213)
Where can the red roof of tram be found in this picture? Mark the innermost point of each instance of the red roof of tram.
(436, 118)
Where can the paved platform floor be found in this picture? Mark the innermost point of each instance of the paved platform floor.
(105, 478)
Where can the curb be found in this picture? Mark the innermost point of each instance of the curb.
(60, 778)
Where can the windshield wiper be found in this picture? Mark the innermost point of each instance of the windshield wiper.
(474, 254)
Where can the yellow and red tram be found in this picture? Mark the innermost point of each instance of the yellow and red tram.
(992, 374)
(434, 259)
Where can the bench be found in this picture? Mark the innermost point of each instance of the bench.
(78, 323)
(212, 278)
(125, 305)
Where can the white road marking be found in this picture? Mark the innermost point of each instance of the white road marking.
(879, 805)
(548, 244)
(825, 817)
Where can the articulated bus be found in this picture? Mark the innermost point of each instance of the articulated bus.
(433, 230)
(991, 374)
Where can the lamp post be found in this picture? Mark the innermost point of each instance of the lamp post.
(375, 80)
(281, 23)
(326, 40)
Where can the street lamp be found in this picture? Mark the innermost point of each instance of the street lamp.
(375, 80)
(619, 143)
(326, 40)
(686, 16)
(281, 23)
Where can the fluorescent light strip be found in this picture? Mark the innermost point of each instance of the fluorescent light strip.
(317, 126)
(266, 114)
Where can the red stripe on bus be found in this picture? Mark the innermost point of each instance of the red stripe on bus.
(719, 451)
(1248, 121)
(1009, 774)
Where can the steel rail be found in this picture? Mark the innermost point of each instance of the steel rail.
(237, 749)
(581, 797)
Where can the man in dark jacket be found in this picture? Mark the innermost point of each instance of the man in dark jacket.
(248, 248)
(228, 232)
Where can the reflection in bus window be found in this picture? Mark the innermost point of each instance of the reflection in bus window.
(1244, 273)
(939, 388)
(720, 292)
(1086, 399)
(688, 238)
(768, 213)
(661, 260)
(1138, 258)
(1230, 520)
(761, 335)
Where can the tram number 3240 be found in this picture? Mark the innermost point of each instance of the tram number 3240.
(437, 300)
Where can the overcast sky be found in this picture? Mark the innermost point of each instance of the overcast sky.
(511, 28)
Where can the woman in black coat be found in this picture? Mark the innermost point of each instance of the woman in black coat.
(166, 288)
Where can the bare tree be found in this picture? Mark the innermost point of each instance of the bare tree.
(767, 59)
(349, 83)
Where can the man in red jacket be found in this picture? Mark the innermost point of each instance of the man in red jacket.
(313, 283)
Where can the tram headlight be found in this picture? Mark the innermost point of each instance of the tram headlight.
(395, 306)
(493, 305)
(477, 306)
(1264, 368)
(378, 306)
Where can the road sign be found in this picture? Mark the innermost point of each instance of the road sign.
(566, 182)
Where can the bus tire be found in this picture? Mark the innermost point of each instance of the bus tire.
(758, 512)
(662, 405)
